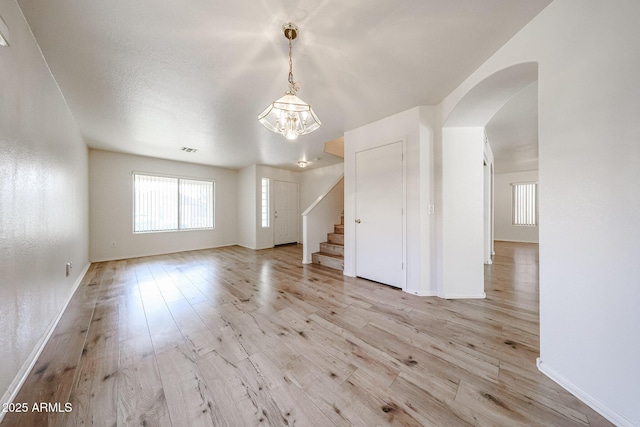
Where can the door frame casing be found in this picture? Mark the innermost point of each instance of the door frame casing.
(403, 141)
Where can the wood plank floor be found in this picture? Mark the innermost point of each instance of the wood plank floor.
(238, 337)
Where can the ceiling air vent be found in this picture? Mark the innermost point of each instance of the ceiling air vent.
(189, 149)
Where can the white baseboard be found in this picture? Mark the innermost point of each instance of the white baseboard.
(595, 404)
(463, 296)
(423, 294)
(26, 368)
(113, 259)
(130, 256)
(482, 295)
(245, 246)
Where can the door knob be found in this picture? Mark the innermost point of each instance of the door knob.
(357, 221)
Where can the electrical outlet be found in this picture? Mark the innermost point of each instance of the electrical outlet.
(68, 269)
(431, 209)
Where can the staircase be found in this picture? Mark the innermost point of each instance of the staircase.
(332, 252)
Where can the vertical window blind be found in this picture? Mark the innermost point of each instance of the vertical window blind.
(265, 202)
(524, 209)
(167, 204)
(196, 204)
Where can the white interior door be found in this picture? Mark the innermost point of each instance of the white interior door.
(285, 195)
(379, 214)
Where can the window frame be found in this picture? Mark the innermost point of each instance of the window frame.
(178, 178)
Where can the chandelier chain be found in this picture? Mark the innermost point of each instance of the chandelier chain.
(290, 60)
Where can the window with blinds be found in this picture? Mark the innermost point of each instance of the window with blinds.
(265, 202)
(162, 203)
(524, 204)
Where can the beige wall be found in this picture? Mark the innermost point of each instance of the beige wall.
(111, 210)
(43, 201)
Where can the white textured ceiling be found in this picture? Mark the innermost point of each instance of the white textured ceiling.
(149, 77)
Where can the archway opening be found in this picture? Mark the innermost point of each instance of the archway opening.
(468, 179)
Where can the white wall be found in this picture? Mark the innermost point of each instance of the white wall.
(505, 230)
(415, 126)
(320, 220)
(265, 236)
(489, 197)
(252, 234)
(111, 207)
(248, 205)
(428, 197)
(462, 213)
(316, 182)
(43, 201)
(589, 157)
(311, 184)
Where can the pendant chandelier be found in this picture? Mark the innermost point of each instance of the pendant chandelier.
(290, 115)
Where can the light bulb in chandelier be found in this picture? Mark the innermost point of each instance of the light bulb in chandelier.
(290, 115)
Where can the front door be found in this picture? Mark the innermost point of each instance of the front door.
(285, 203)
(379, 214)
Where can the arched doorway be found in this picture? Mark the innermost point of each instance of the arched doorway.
(465, 236)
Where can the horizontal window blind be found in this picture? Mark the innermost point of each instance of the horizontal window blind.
(167, 203)
(524, 209)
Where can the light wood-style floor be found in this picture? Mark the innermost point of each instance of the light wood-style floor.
(238, 337)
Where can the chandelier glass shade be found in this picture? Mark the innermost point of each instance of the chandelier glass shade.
(290, 115)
